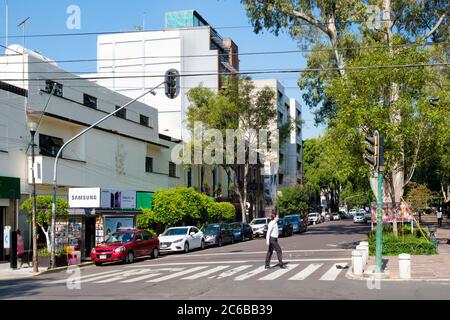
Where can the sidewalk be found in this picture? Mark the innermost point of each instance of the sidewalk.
(423, 268)
(6, 273)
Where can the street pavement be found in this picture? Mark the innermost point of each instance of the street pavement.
(318, 261)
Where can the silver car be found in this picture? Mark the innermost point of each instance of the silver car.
(258, 225)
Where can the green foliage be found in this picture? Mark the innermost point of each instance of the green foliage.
(148, 220)
(44, 209)
(222, 211)
(45, 253)
(419, 195)
(293, 200)
(406, 244)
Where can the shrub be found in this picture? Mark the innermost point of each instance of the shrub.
(45, 253)
(403, 244)
(222, 211)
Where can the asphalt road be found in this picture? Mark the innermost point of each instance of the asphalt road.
(317, 263)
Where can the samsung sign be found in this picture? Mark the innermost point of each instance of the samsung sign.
(101, 198)
(84, 197)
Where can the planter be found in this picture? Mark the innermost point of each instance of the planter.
(60, 261)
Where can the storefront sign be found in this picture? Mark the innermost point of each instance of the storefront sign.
(7, 237)
(120, 199)
(9, 188)
(84, 197)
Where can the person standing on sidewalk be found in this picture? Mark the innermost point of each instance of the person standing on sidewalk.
(439, 217)
(272, 242)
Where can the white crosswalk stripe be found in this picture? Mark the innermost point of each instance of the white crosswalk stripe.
(231, 272)
(124, 275)
(206, 273)
(177, 274)
(250, 273)
(84, 277)
(279, 273)
(333, 272)
(305, 273)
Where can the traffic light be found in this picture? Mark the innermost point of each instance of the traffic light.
(172, 85)
(375, 150)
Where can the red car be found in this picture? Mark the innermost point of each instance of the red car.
(126, 245)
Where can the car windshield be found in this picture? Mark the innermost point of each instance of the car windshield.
(211, 228)
(235, 225)
(293, 219)
(258, 221)
(176, 232)
(359, 214)
(280, 222)
(313, 214)
(120, 237)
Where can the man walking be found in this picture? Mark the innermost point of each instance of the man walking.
(439, 217)
(272, 242)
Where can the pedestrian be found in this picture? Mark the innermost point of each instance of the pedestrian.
(439, 217)
(20, 248)
(272, 242)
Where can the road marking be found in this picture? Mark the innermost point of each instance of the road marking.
(333, 272)
(84, 277)
(231, 272)
(102, 277)
(305, 273)
(205, 273)
(259, 252)
(279, 272)
(177, 274)
(250, 273)
(124, 275)
(147, 276)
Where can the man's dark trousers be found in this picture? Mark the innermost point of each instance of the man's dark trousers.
(273, 244)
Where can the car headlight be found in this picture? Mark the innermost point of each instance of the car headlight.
(179, 240)
(119, 249)
(93, 250)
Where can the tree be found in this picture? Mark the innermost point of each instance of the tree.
(419, 195)
(293, 200)
(222, 211)
(44, 213)
(242, 108)
(341, 35)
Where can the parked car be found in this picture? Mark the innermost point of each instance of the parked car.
(368, 216)
(327, 217)
(359, 217)
(352, 212)
(336, 216)
(298, 223)
(181, 239)
(241, 231)
(258, 225)
(314, 218)
(218, 234)
(126, 245)
(285, 228)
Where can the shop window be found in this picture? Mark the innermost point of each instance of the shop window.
(49, 146)
(89, 101)
(121, 113)
(172, 170)
(148, 164)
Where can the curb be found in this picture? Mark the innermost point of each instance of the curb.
(43, 272)
(349, 275)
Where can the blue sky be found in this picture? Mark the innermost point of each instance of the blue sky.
(49, 17)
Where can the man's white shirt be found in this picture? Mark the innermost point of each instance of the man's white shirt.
(272, 230)
(439, 214)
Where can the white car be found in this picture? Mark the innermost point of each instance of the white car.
(181, 239)
(336, 216)
(359, 217)
(314, 218)
(258, 225)
(352, 212)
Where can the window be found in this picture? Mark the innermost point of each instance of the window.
(89, 101)
(143, 120)
(280, 116)
(299, 165)
(189, 178)
(281, 157)
(49, 146)
(280, 95)
(280, 179)
(122, 113)
(58, 88)
(299, 148)
(139, 237)
(13, 89)
(148, 164)
(147, 235)
(172, 170)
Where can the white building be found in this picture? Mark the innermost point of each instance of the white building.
(125, 152)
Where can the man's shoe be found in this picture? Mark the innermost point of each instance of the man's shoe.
(283, 266)
(267, 267)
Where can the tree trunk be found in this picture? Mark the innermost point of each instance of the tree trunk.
(47, 237)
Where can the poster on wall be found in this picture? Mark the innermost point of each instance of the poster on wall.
(113, 224)
(120, 199)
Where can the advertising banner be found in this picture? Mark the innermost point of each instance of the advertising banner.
(84, 197)
(118, 199)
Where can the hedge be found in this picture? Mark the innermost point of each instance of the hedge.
(406, 243)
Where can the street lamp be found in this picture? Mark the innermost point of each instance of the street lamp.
(53, 231)
(33, 128)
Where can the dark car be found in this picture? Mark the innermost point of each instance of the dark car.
(218, 233)
(298, 223)
(125, 245)
(285, 228)
(241, 231)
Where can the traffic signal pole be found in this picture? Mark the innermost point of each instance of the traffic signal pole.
(379, 239)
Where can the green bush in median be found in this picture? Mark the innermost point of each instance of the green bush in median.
(406, 243)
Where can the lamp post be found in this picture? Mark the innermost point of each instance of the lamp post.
(53, 230)
(33, 128)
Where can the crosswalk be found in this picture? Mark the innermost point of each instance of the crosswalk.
(157, 274)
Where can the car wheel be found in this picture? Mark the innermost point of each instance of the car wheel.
(219, 242)
(98, 264)
(155, 253)
(186, 247)
(202, 246)
(130, 257)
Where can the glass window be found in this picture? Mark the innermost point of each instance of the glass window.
(172, 170)
(119, 237)
(175, 232)
(139, 237)
(148, 164)
(89, 101)
(143, 120)
(58, 91)
(49, 146)
(122, 113)
(147, 235)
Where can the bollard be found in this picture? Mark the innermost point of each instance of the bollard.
(365, 245)
(363, 251)
(404, 265)
(357, 262)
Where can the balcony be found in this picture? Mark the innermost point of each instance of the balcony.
(70, 171)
